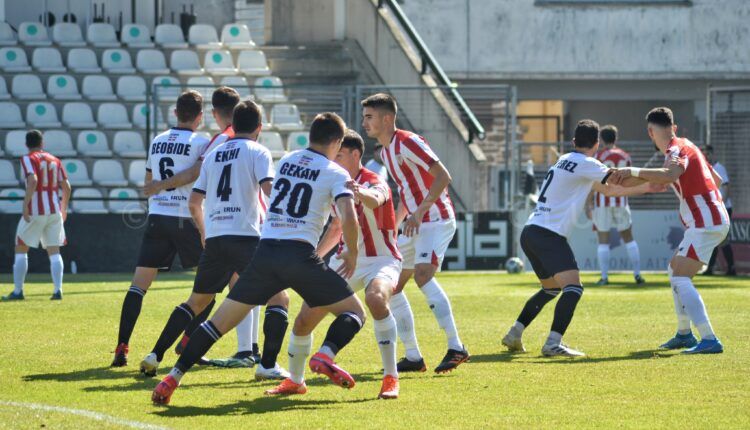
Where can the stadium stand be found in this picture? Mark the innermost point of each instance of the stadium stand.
(47, 60)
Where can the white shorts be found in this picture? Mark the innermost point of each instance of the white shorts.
(606, 218)
(47, 229)
(369, 268)
(429, 246)
(699, 243)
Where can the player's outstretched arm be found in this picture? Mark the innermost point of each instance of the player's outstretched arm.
(330, 238)
(718, 180)
(370, 197)
(187, 176)
(611, 190)
(195, 204)
(350, 231)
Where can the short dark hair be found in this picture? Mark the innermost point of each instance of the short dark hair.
(327, 127)
(223, 100)
(246, 117)
(352, 141)
(661, 116)
(381, 101)
(608, 134)
(189, 106)
(587, 133)
(708, 148)
(34, 139)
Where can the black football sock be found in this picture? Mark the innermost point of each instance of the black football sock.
(181, 317)
(274, 329)
(201, 340)
(729, 256)
(199, 319)
(342, 331)
(712, 260)
(131, 308)
(535, 304)
(565, 308)
(256, 349)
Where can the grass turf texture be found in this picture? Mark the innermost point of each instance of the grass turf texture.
(57, 354)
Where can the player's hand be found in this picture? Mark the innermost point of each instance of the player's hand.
(356, 189)
(152, 188)
(618, 176)
(348, 264)
(412, 224)
(26, 213)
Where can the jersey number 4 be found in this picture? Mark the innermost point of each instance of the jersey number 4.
(299, 198)
(547, 180)
(224, 190)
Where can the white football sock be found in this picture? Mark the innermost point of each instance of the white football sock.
(254, 333)
(441, 308)
(517, 328)
(683, 319)
(244, 332)
(299, 349)
(635, 256)
(325, 349)
(56, 267)
(554, 338)
(385, 334)
(401, 311)
(602, 254)
(693, 304)
(20, 267)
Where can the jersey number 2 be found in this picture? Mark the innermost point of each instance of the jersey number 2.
(547, 180)
(299, 198)
(224, 190)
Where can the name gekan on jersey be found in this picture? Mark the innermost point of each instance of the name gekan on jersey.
(299, 172)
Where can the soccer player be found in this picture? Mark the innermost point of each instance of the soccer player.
(708, 151)
(702, 212)
(170, 229)
(231, 177)
(307, 183)
(379, 262)
(44, 212)
(544, 238)
(376, 163)
(613, 212)
(429, 227)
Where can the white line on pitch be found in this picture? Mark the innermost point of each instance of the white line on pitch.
(83, 413)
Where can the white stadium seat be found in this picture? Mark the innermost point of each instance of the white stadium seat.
(129, 144)
(297, 140)
(140, 114)
(203, 84)
(117, 61)
(131, 88)
(218, 62)
(265, 119)
(88, 206)
(165, 88)
(151, 61)
(124, 206)
(236, 36)
(102, 35)
(185, 62)
(58, 143)
(240, 84)
(78, 115)
(109, 173)
(7, 174)
(42, 115)
(15, 143)
(98, 87)
(27, 87)
(67, 34)
(33, 34)
(285, 117)
(10, 116)
(63, 87)
(3, 90)
(136, 36)
(7, 35)
(269, 89)
(83, 60)
(12, 206)
(93, 143)
(172, 118)
(14, 60)
(47, 60)
(113, 116)
(253, 63)
(137, 172)
(272, 140)
(78, 173)
(203, 36)
(170, 36)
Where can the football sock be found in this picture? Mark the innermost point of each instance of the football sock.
(341, 331)
(20, 267)
(534, 305)
(385, 335)
(131, 308)
(202, 339)
(693, 305)
(683, 319)
(602, 254)
(729, 256)
(441, 308)
(565, 308)
(256, 326)
(517, 329)
(299, 349)
(635, 256)
(199, 319)
(274, 329)
(180, 318)
(244, 330)
(554, 338)
(401, 311)
(56, 268)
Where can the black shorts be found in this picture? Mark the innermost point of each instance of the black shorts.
(167, 236)
(222, 257)
(281, 264)
(547, 251)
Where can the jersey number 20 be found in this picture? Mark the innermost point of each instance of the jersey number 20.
(299, 198)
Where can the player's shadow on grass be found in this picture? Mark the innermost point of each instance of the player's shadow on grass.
(95, 374)
(500, 357)
(649, 354)
(258, 405)
(106, 291)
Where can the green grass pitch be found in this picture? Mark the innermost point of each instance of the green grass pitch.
(54, 359)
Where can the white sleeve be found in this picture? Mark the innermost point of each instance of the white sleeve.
(263, 165)
(338, 184)
(595, 170)
(200, 184)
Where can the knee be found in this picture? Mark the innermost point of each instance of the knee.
(198, 303)
(376, 300)
(280, 299)
(303, 325)
(423, 274)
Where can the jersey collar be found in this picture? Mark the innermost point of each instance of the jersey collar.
(319, 153)
(182, 128)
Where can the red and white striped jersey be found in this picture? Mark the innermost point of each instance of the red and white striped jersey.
(378, 226)
(408, 159)
(700, 200)
(612, 158)
(50, 174)
(218, 140)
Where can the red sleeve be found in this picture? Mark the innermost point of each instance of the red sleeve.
(419, 149)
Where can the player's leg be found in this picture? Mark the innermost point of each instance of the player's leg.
(684, 337)
(255, 333)
(402, 312)
(56, 268)
(602, 256)
(377, 296)
(53, 237)
(564, 310)
(624, 223)
(28, 234)
(275, 324)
